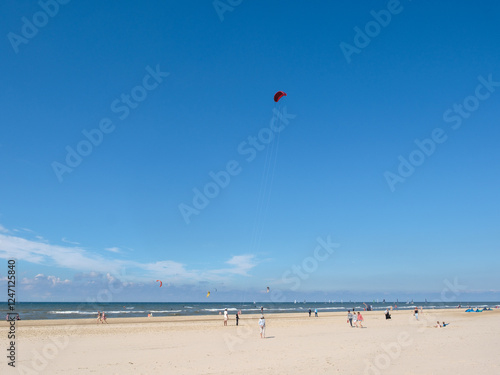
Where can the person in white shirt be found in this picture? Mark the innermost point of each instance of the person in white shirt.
(262, 325)
(225, 317)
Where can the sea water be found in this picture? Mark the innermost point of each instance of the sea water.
(87, 310)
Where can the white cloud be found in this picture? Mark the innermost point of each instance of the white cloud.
(68, 241)
(241, 265)
(84, 262)
(41, 281)
(3, 229)
(44, 253)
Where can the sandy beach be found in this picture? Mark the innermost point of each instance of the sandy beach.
(294, 344)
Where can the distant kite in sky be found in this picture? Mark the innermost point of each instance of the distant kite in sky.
(267, 290)
(279, 95)
(208, 294)
(160, 282)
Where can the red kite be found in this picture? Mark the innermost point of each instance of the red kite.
(279, 95)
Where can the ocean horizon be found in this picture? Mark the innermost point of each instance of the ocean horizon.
(88, 310)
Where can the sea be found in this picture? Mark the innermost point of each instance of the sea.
(86, 310)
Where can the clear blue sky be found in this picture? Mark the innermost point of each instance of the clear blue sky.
(115, 213)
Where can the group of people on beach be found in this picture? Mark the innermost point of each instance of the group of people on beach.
(439, 325)
(315, 312)
(101, 317)
(355, 319)
(262, 321)
(226, 317)
(16, 318)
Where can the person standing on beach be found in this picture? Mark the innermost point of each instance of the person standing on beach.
(98, 317)
(262, 325)
(309, 313)
(225, 317)
(349, 317)
(316, 313)
(360, 319)
(237, 318)
(416, 313)
(103, 318)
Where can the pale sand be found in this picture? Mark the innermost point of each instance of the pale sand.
(296, 344)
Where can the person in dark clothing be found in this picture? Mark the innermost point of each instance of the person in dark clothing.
(387, 314)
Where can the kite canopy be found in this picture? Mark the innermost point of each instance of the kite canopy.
(160, 282)
(208, 294)
(279, 95)
(267, 289)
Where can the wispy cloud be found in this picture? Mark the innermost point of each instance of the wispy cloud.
(41, 280)
(169, 268)
(68, 241)
(39, 251)
(74, 258)
(241, 264)
(3, 229)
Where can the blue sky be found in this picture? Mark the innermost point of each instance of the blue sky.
(172, 91)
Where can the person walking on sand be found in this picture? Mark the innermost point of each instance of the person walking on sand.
(225, 317)
(360, 319)
(309, 313)
(416, 313)
(98, 317)
(262, 326)
(103, 318)
(316, 313)
(349, 317)
(237, 318)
